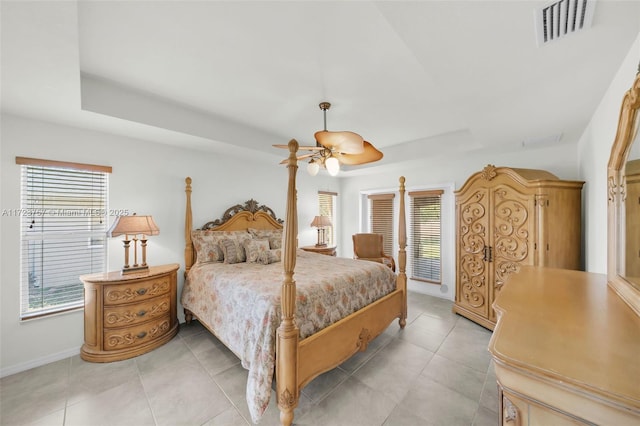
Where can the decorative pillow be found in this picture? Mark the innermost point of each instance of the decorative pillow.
(242, 238)
(273, 235)
(232, 250)
(276, 254)
(254, 247)
(269, 256)
(206, 243)
(275, 242)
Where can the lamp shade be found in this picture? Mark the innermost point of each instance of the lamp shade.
(321, 221)
(134, 224)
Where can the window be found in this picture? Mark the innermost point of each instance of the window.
(327, 207)
(426, 227)
(381, 219)
(63, 228)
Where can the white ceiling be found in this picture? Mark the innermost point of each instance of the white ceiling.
(412, 77)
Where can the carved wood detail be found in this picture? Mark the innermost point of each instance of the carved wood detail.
(251, 206)
(130, 294)
(131, 338)
(363, 339)
(510, 413)
(489, 172)
(511, 233)
(473, 239)
(116, 318)
(286, 400)
(611, 189)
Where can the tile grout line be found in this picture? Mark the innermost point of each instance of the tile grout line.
(214, 380)
(146, 395)
(67, 392)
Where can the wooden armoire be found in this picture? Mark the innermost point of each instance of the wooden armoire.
(506, 218)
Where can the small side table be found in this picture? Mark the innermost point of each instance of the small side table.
(327, 250)
(128, 315)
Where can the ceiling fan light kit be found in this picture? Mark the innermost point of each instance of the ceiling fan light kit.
(335, 148)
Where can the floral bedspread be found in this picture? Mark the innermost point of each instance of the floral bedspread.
(241, 304)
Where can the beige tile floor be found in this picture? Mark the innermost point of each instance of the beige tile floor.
(436, 371)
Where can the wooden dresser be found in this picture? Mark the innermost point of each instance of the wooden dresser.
(506, 218)
(566, 351)
(128, 315)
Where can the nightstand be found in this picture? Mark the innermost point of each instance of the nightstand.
(128, 315)
(329, 251)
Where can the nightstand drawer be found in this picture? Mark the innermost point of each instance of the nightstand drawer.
(129, 337)
(126, 315)
(119, 294)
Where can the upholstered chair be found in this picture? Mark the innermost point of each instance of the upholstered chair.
(369, 247)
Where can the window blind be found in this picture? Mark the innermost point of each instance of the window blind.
(381, 219)
(63, 226)
(326, 203)
(426, 233)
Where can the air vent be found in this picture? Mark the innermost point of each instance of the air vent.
(562, 18)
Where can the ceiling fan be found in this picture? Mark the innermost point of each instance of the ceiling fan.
(335, 148)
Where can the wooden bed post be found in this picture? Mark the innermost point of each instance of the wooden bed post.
(287, 342)
(188, 246)
(402, 254)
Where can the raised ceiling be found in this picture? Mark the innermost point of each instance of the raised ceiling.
(413, 78)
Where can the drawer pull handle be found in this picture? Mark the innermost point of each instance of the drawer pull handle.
(141, 291)
(142, 334)
(142, 313)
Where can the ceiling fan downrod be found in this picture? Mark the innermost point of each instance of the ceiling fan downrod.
(324, 106)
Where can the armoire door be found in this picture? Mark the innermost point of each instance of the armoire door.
(473, 242)
(512, 237)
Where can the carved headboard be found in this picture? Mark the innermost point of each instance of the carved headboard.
(236, 218)
(242, 217)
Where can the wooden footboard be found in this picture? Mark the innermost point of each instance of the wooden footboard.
(334, 345)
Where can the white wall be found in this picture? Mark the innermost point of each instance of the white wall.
(594, 149)
(147, 178)
(449, 172)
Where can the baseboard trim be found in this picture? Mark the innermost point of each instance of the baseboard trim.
(18, 368)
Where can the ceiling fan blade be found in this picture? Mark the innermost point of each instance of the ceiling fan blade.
(343, 142)
(369, 155)
(300, 148)
(300, 157)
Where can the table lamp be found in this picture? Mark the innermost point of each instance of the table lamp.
(321, 222)
(132, 226)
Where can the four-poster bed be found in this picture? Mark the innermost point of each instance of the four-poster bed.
(315, 322)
